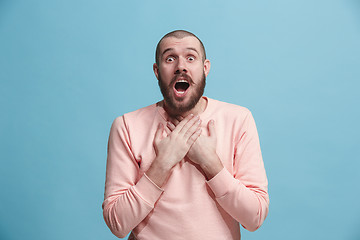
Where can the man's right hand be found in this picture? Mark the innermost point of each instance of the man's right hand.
(173, 148)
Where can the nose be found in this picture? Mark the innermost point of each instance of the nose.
(181, 66)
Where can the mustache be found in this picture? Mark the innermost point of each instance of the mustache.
(181, 75)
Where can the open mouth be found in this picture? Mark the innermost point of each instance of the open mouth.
(181, 86)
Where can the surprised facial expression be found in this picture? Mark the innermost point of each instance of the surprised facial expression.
(181, 73)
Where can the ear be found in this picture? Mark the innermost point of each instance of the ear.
(207, 66)
(156, 70)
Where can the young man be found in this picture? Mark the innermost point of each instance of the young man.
(187, 167)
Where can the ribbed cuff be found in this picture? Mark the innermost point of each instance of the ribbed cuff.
(221, 183)
(148, 190)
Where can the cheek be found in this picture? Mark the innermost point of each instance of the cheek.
(165, 72)
(199, 72)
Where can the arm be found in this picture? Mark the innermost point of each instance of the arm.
(129, 200)
(243, 194)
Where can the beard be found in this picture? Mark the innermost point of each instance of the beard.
(178, 105)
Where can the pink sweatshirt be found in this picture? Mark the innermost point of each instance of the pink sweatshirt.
(187, 206)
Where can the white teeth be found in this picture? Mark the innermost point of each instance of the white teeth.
(182, 80)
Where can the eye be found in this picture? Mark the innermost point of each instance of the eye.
(191, 58)
(170, 59)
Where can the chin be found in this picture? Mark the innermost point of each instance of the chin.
(183, 104)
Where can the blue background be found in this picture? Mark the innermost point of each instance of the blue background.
(68, 68)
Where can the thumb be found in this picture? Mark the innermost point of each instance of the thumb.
(211, 127)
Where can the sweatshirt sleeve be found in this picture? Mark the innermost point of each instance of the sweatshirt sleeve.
(243, 194)
(128, 200)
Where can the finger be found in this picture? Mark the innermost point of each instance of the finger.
(158, 133)
(167, 131)
(188, 125)
(195, 126)
(194, 137)
(180, 118)
(171, 126)
(180, 126)
(175, 121)
(211, 127)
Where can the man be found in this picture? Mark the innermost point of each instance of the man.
(187, 167)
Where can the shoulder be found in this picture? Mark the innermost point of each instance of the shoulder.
(137, 116)
(228, 110)
(141, 113)
(233, 118)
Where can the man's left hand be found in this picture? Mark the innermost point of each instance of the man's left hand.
(203, 151)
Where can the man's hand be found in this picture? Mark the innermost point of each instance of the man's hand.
(172, 149)
(203, 150)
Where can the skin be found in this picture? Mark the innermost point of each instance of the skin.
(183, 133)
(182, 56)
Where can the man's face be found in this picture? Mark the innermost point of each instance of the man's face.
(181, 73)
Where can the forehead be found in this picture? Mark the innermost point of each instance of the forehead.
(188, 43)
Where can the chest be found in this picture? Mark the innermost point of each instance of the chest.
(144, 151)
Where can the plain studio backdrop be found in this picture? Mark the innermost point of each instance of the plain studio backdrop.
(68, 68)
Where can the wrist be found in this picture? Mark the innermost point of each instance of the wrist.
(161, 164)
(158, 172)
(212, 168)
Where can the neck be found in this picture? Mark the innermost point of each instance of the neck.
(198, 109)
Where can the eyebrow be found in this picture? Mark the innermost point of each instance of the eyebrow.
(169, 49)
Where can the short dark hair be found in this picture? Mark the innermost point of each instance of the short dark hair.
(178, 34)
